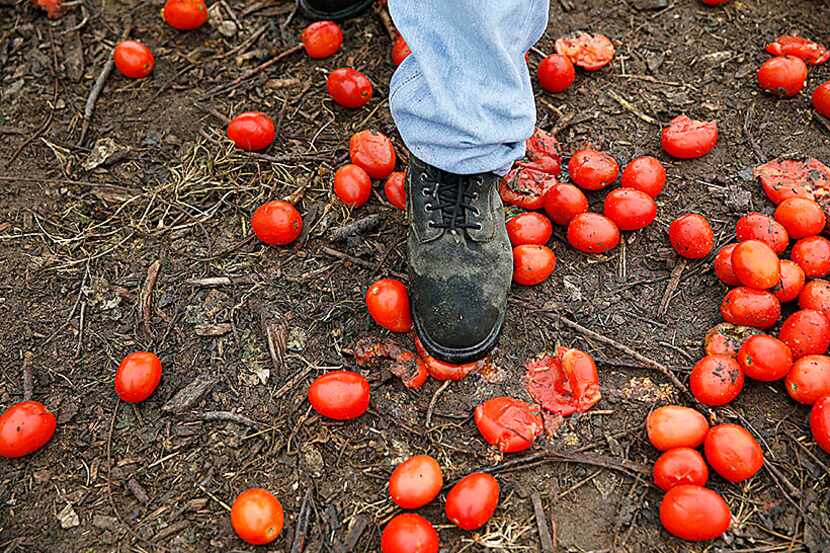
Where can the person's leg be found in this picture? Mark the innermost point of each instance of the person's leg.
(463, 104)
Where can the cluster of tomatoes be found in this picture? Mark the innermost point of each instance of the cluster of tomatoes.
(786, 74)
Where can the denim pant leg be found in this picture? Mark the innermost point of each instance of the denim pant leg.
(463, 100)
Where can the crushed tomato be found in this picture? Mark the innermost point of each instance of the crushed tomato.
(564, 383)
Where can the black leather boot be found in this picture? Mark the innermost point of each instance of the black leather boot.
(460, 261)
(333, 9)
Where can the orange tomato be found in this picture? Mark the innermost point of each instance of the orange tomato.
(257, 516)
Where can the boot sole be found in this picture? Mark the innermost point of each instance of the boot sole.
(311, 13)
(462, 355)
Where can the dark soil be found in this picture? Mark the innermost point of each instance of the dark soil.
(77, 241)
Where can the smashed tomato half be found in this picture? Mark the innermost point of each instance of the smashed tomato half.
(687, 138)
(727, 339)
(564, 383)
(369, 352)
(811, 52)
(441, 370)
(529, 180)
(590, 52)
(783, 178)
(509, 424)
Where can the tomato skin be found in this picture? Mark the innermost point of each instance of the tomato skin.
(765, 358)
(252, 131)
(416, 482)
(756, 265)
(783, 75)
(593, 233)
(694, 513)
(532, 264)
(687, 138)
(441, 370)
(400, 51)
(645, 174)
(409, 533)
(322, 39)
(678, 466)
(349, 88)
(137, 376)
(472, 501)
(815, 295)
(674, 426)
(564, 383)
(691, 236)
(185, 15)
(791, 283)
(388, 303)
(630, 209)
(590, 52)
(757, 226)
(507, 423)
(556, 73)
(723, 266)
(810, 52)
(592, 170)
(732, 452)
(806, 332)
(821, 99)
(374, 152)
(339, 395)
(820, 422)
(529, 228)
(352, 185)
(749, 307)
(784, 178)
(813, 256)
(802, 217)
(257, 516)
(277, 223)
(809, 379)
(395, 190)
(25, 427)
(727, 339)
(563, 202)
(716, 380)
(715, 2)
(133, 59)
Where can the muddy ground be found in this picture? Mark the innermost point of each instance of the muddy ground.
(154, 180)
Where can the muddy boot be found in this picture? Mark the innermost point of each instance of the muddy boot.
(332, 9)
(460, 261)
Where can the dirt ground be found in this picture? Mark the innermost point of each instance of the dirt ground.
(154, 180)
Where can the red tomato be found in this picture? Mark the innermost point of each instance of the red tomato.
(388, 303)
(395, 190)
(137, 376)
(757, 226)
(732, 452)
(507, 423)
(809, 379)
(409, 533)
(686, 138)
(374, 152)
(806, 332)
(564, 383)
(783, 75)
(252, 131)
(257, 516)
(277, 223)
(821, 99)
(727, 339)
(716, 380)
(592, 170)
(532, 264)
(185, 15)
(803, 48)
(349, 88)
(51, 7)
(645, 174)
(133, 59)
(691, 236)
(416, 482)
(400, 51)
(694, 513)
(678, 466)
(352, 185)
(756, 265)
(820, 423)
(802, 217)
(322, 39)
(563, 202)
(816, 295)
(526, 187)
(723, 266)
(630, 209)
(791, 283)
(813, 256)
(749, 307)
(441, 370)
(339, 395)
(593, 233)
(590, 52)
(673, 426)
(556, 73)
(715, 2)
(529, 228)
(472, 501)
(765, 358)
(25, 427)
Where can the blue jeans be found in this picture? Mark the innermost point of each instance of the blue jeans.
(463, 100)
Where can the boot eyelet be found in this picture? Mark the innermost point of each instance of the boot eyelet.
(475, 195)
(426, 192)
(427, 207)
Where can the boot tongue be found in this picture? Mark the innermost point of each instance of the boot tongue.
(454, 196)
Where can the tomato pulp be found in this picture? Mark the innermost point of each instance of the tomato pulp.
(564, 383)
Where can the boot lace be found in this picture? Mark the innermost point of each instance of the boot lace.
(454, 194)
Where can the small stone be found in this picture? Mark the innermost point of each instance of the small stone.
(68, 517)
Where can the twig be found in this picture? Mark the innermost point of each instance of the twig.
(434, 400)
(212, 111)
(303, 519)
(227, 416)
(252, 73)
(276, 342)
(210, 282)
(370, 222)
(541, 524)
(538, 52)
(340, 255)
(28, 379)
(386, 19)
(674, 281)
(628, 106)
(295, 197)
(213, 497)
(146, 298)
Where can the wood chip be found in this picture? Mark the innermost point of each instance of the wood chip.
(190, 395)
(219, 329)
